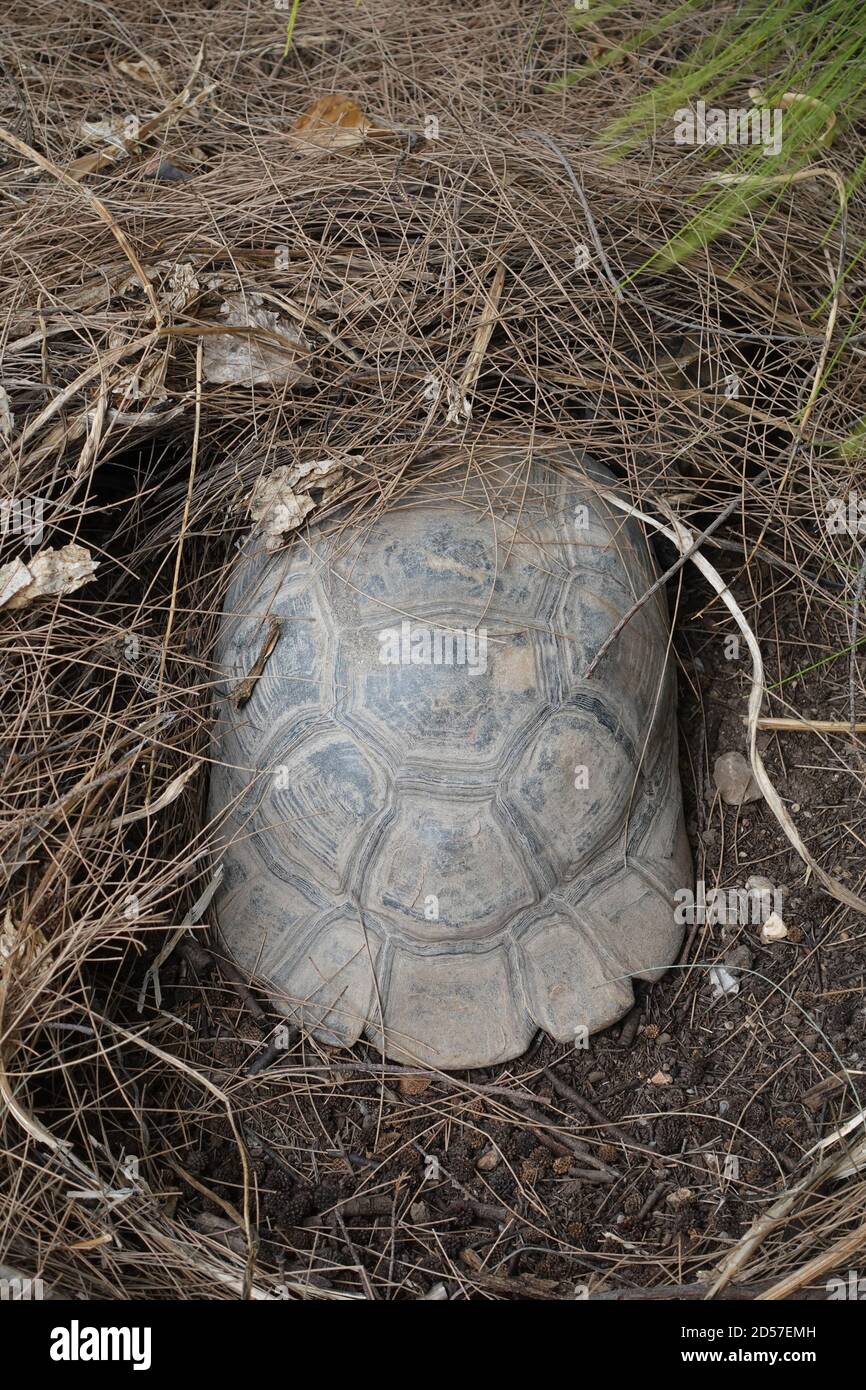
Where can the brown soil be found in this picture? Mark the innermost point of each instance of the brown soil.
(708, 1109)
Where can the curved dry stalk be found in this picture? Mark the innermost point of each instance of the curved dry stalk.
(683, 540)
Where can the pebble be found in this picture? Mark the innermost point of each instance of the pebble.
(171, 173)
(740, 958)
(774, 928)
(732, 774)
(760, 885)
(723, 982)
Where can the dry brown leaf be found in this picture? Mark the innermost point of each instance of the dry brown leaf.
(47, 575)
(147, 71)
(280, 501)
(111, 131)
(239, 359)
(597, 51)
(332, 123)
(19, 946)
(180, 286)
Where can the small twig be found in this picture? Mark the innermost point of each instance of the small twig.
(652, 1201)
(628, 1031)
(852, 657)
(364, 1276)
(814, 726)
(244, 689)
(567, 1092)
(234, 977)
(483, 334)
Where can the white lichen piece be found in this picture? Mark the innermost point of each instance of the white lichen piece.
(49, 574)
(7, 419)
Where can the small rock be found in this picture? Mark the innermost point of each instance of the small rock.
(740, 958)
(732, 774)
(171, 173)
(488, 1161)
(760, 884)
(661, 1078)
(774, 928)
(764, 898)
(679, 1197)
(419, 1212)
(723, 982)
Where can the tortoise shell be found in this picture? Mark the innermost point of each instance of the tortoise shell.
(436, 832)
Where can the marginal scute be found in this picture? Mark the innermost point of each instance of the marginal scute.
(573, 988)
(446, 1011)
(637, 921)
(662, 839)
(273, 912)
(632, 670)
(329, 988)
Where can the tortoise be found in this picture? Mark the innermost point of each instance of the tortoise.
(436, 831)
